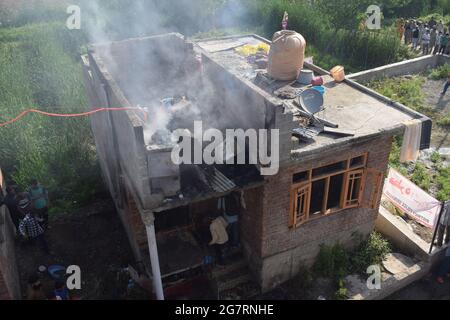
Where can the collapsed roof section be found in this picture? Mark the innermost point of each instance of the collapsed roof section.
(178, 82)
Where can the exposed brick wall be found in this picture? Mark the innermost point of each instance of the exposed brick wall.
(9, 276)
(135, 224)
(283, 248)
(251, 228)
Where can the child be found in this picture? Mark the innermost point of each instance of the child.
(447, 84)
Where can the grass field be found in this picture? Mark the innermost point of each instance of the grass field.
(40, 68)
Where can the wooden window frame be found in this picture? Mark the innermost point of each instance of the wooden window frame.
(294, 220)
(348, 182)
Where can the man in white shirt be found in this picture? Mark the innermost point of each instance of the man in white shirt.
(426, 42)
(219, 237)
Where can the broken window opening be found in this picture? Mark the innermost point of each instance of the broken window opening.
(317, 197)
(335, 193)
(173, 219)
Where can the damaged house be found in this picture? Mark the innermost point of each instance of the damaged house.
(329, 182)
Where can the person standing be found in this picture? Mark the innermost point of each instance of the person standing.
(39, 197)
(408, 32)
(31, 230)
(444, 269)
(447, 85)
(421, 33)
(443, 44)
(231, 214)
(219, 237)
(440, 27)
(438, 43)
(433, 38)
(415, 37)
(401, 29)
(444, 224)
(11, 202)
(426, 42)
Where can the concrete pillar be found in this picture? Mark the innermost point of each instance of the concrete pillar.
(154, 258)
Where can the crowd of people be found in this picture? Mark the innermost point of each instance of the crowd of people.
(431, 37)
(29, 212)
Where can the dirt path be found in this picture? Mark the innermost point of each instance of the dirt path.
(92, 238)
(424, 289)
(440, 137)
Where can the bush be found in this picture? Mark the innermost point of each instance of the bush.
(332, 262)
(407, 91)
(443, 181)
(421, 177)
(370, 252)
(441, 72)
(445, 121)
(342, 292)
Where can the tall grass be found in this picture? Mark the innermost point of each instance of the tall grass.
(361, 50)
(39, 70)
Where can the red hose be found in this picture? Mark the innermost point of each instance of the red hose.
(68, 115)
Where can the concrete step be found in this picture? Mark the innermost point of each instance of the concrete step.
(220, 272)
(233, 282)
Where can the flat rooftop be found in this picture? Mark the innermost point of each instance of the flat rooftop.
(354, 108)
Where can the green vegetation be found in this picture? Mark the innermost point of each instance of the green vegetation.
(336, 262)
(441, 72)
(41, 69)
(407, 91)
(361, 50)
(370, 252)
(443, 180)
(40, 64)
(421, 176)
(332, 262)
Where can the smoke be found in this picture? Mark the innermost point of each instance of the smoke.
(166, 69)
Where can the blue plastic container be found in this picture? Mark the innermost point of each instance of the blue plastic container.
(320, 89)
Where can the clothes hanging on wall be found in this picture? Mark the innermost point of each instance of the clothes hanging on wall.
(411, 141)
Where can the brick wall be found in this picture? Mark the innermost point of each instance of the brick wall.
(251, 228)
(9, 276)
(285, 249)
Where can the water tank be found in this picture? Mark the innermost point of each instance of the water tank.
(287, 55)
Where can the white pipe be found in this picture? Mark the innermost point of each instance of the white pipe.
(156, 272)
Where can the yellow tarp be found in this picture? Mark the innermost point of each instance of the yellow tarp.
(249, 50)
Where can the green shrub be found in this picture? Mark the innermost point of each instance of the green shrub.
(436, 158)
(441, 72)
(370, 252)
(445, 121)
(421, 177)
(342, 292)
(443, 181)
(407, 91)
(332, 262)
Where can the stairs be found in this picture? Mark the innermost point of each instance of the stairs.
(233, 281)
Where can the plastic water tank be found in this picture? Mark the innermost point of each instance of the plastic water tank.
(287, 55)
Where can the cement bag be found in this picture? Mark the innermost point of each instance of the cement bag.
(287, 55)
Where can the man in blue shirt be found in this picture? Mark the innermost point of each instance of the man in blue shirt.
(39, 197)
